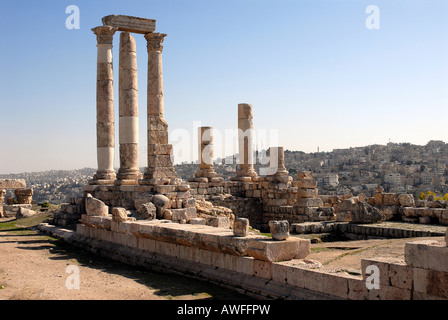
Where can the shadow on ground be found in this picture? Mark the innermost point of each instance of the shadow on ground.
(167, 285)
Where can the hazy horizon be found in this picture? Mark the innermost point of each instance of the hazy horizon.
(142, 167)
(312, 70)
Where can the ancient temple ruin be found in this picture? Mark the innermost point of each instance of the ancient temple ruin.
(21, 200)
(200, 227)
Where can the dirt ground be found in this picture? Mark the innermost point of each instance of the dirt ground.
(33, 266)
(347, 255)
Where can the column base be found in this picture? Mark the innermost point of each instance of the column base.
(101, 182)
(243, 179)
(159, 176)
(245, 175)
(126, 182)
(128, 176)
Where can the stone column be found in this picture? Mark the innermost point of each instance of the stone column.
(277, 162)
(128, 112)
(160, 164)
(245, 143)
(105, 107)
(2, 199)
(206, 154)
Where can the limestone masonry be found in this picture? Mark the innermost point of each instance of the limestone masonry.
(204, 227)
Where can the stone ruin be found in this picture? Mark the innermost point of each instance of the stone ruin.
(20, 205)
(202, 227)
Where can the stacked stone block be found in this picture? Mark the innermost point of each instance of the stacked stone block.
(160, 162)
(307, 192)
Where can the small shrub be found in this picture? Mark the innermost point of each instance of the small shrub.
(45, 204)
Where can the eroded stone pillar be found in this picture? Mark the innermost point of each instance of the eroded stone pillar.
(277, 162)
(160, 164)
(105, 107)
(245, 143)
(2, 201)
(128, 172)
(206, 154)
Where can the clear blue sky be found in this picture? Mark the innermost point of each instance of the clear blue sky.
(311, 70)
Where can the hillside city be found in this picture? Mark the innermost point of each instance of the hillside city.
(397, 167)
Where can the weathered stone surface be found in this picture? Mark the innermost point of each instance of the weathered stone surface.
(273, 251)
(130, 24)
(143, 198)
(24, 213)
(95, 207)
(406, 200)
(148, 211)
(351, 210)
(446, 237)
(199, 221)
(241, 227)
(245, 142)
(218, 222)
(309, 202)
(306, 184)
(119, 214)
(427, 254)
(24, 196)
(161, 202)
(12, 183)
(279, 229)
(305, 175)
(2, 200)
(307, 193)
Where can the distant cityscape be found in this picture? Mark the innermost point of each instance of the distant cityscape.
(397, 167)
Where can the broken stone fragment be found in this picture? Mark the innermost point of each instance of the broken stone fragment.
(161, 202)
(279, 229)
(119, 214)
(95, 207)
(406, 200)
(351, 210)
(148, 211)
(24, 213)
(241, 227)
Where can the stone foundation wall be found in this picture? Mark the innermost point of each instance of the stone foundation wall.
(263, 199)
(423, 274)
(125, 195)
(397, 206)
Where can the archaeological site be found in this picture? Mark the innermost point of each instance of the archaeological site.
(247, 232)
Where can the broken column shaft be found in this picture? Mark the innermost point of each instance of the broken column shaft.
(160, 164)
(206, 154)
(245, 143)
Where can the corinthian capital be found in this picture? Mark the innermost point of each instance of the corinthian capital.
(104, 34)
(154, 41)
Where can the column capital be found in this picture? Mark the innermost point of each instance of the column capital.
(104, 34)
(154, 41)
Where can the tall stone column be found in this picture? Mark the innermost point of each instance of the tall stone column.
(160, 164)
(105, 127)
(245, 143)
(206, 154)
(129, 172)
